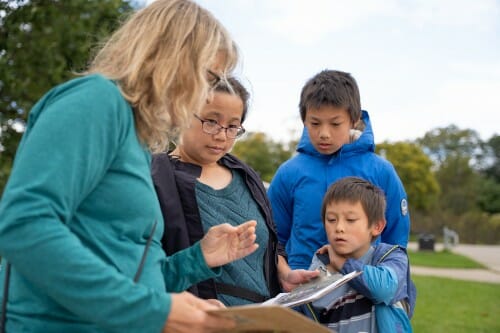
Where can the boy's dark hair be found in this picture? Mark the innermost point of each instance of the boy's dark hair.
(331, 88)
(354, 189)
(232, 86)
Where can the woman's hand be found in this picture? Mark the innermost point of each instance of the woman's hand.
(225, 243)
(336, 261)
(188, 314)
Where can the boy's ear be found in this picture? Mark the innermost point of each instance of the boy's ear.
(378, 227)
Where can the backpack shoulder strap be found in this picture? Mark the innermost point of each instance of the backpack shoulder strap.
(232, 290)
(394, 247)
(407, 304)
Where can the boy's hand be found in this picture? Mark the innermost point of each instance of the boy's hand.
(291, 279)
(296, 277)
(336, 261)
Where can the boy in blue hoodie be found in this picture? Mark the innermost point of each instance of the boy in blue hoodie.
(337, 142)
(382, 298)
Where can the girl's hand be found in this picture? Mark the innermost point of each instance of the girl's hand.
(224, 243)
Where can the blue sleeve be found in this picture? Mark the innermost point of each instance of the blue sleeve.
(382, 282)
(83, 128)
(282, 205)
(397, 229)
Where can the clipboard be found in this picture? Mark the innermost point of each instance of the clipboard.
(258, 318)
(312, 290)
(275, 315)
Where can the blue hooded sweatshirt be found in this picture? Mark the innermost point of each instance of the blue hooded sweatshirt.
(296, 193)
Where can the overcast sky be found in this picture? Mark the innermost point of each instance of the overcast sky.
(420, 64)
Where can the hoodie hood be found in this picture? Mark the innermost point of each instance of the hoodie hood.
(364, 143)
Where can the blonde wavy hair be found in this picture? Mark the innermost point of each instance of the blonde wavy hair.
(159, 58)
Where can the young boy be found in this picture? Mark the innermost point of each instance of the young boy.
(382, 298)
(337, 142)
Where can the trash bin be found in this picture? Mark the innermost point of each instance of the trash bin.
(426, 242)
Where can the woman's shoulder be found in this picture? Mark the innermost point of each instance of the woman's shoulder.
(90, 82)
(86, 98)
(92, 91)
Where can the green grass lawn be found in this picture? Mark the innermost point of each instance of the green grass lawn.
(447, 305)
(442, 259)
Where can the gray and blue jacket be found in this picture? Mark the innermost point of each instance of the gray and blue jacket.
(382, 299)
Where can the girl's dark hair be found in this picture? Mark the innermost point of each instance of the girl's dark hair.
(231, 85)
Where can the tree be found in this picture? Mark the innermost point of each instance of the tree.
(415, 170)
(441, 143)
(493, 158)
(460, 155)
(460, 185)
(466, 170)
(262, 153)
(489, 196)
(42, 43)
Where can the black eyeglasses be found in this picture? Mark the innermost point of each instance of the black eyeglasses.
(212, 127)
(213, 78)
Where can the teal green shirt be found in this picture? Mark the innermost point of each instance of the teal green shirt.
(234, 204)
(75, 217)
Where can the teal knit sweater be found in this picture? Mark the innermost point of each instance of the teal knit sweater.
(234, 204)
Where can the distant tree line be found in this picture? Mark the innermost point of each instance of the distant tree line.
(451, 176)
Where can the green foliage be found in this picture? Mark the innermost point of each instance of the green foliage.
(459, 184)
(414, 169)
(447, 305)
(261, 153)
(476, 227)
(493, 158)
(465, 169)
(42, 43)
(442, 143)
(441, 259)
(489, 196)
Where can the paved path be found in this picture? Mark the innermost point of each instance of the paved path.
(488, 255)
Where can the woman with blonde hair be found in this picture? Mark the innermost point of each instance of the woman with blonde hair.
(80, 225)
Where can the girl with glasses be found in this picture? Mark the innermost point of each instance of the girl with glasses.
(213, 187)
